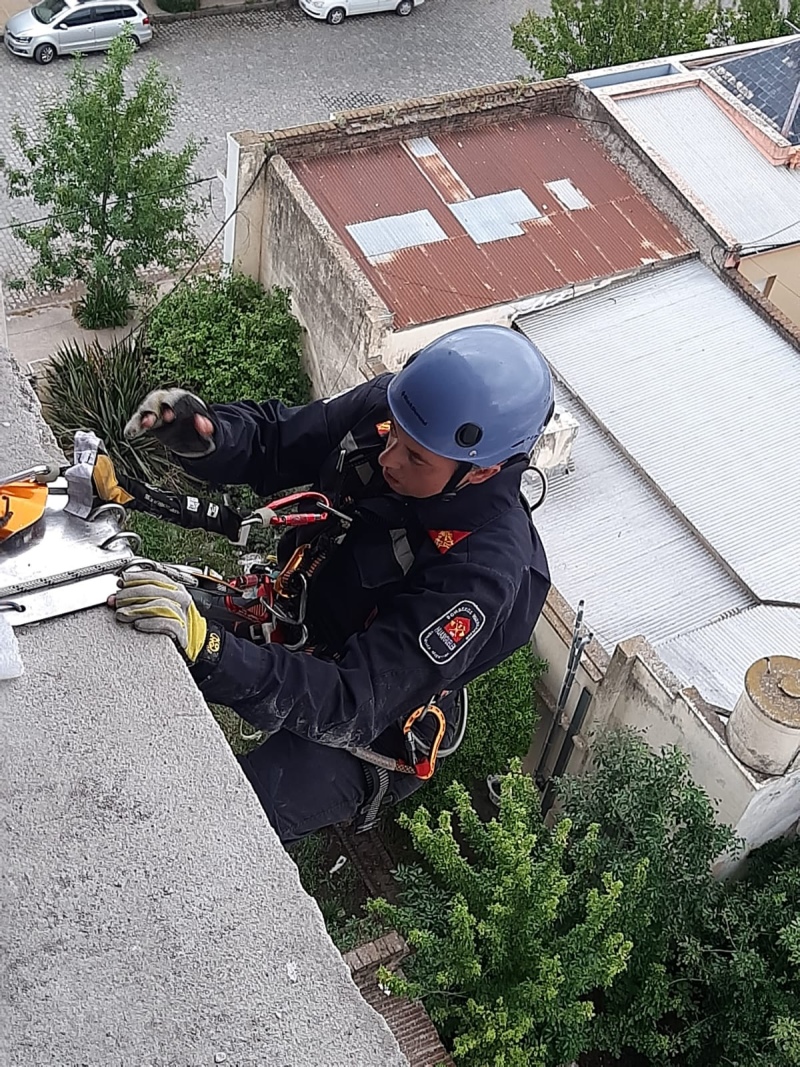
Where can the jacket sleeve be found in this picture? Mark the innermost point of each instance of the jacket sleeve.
(272, 447)
(425, 639)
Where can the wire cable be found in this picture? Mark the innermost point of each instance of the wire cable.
(199, 257)
(79, 211)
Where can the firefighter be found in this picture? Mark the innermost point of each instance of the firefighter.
(438, 575)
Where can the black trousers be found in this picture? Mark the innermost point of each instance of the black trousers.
(304, 786)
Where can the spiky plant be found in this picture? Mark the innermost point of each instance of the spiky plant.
(89, 387)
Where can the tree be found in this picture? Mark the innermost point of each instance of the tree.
(115, 200)
(744, 968)
(650, 811)
(590, 34)
(756, 20)
(509, 947)
(587, 34)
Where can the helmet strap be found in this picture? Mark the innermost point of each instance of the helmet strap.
(454, 484)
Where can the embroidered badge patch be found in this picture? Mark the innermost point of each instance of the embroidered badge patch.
(383, 428)
(445, 638)
(445, 539)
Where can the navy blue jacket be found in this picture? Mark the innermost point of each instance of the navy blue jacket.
(421, 596)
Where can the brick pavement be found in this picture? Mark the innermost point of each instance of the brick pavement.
(262, 70)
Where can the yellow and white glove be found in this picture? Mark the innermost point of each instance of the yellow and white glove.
(156, 604)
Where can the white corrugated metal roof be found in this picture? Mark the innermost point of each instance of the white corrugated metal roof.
(683, 507)
(750, 197)
(715, 658)
(567, 194)
(611, 541)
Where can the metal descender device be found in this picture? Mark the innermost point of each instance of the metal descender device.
(53, 563)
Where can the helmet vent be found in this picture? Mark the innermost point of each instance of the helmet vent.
(468, 435)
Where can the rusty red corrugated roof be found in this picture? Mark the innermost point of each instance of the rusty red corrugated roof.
(620, 231)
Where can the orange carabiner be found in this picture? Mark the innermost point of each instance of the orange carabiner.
(293, 564)
(425, 768)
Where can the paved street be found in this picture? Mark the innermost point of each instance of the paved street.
(264, 70)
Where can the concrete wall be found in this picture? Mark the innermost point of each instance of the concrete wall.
(281, 237)
(634, 689)
(784, 265)
(345, 320)
(150, 915)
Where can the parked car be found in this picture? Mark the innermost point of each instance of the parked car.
(336, 11)
(60, 27)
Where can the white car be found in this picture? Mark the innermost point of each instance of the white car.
(62, 27)
(336, 11)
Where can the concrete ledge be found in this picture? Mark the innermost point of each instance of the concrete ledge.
(150, 915)
(158, 15)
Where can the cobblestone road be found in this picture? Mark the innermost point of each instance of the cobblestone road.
(264, 70)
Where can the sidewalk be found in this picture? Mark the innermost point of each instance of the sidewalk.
(35, 333)
(209, 7)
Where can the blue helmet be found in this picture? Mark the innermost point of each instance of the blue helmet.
(479, 395)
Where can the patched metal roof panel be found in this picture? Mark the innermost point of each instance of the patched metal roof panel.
(754, 200)
(715, 658)
(493, 217)
(421, 147)
(704, 397)
(382, 236)
(572, 198)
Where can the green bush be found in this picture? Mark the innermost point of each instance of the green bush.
(88, 387)
(226, 339)
(650, 811)
(712, 971)
(510, 951)
(502, 718)
(177, 6)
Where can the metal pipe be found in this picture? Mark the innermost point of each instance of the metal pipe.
(562, 760)
(576, 649)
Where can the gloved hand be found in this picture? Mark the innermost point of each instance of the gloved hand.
(156, 604)
(180, 420)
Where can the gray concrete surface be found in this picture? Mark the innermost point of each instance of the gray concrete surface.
(150, 916)
(264, 70)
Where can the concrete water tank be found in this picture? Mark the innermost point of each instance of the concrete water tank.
(764, 727)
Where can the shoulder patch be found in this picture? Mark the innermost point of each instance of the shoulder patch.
(444, 639)
(384, 428)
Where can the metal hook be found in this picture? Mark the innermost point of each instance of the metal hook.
(108, 509)
(11, 605)
(124, 535)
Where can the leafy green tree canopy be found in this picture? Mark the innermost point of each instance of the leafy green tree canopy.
(115, 200)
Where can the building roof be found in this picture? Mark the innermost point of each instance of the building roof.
(755, 201)
(486, 215)
(768, 81)
(680, 520)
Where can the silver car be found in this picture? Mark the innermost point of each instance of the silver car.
(60, 27)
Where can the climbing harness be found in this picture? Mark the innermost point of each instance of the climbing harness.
(50, 513)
